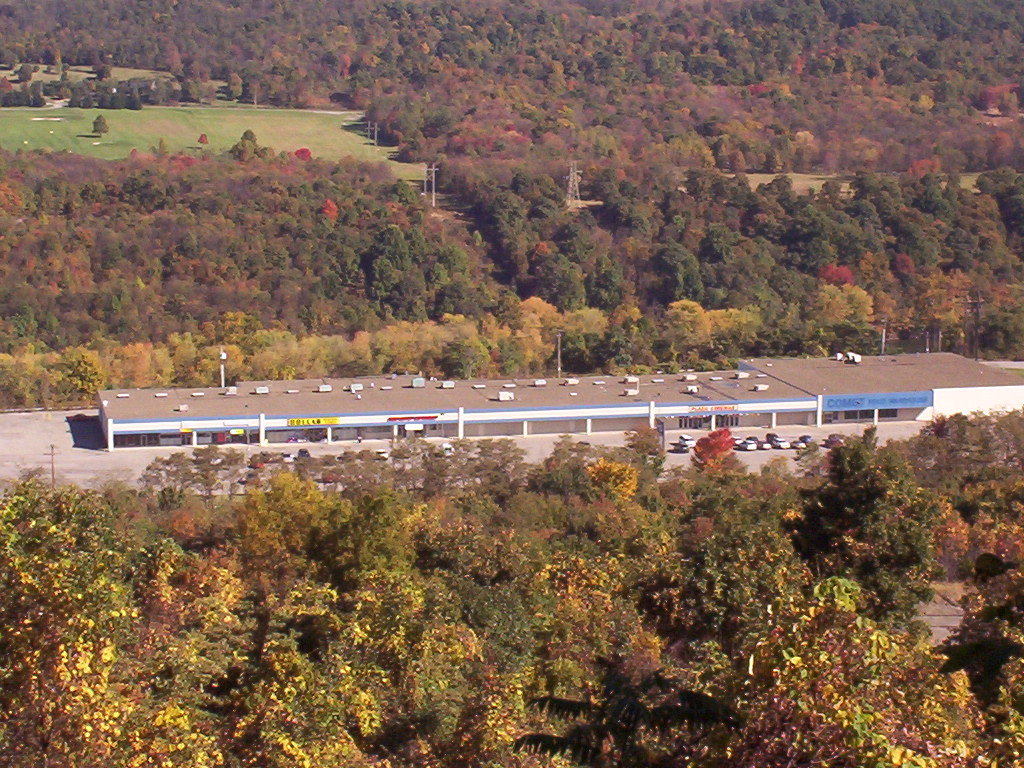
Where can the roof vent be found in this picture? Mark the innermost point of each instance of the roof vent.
(386, 387)
(741, 375)
(479, 386)
(570, 382)
(160, 394)
(692, 389)
(716, 378)
(657, 381)
(123, 394)
(762, 376)
(419, 382)
(508, 386)
(540, 382)
(631, 380)
(447, 385)
(329, 388)
(599, 383)
(504, 396)
(183, 407)
(231, 391)
(631, 392)
(573, 394)
(291, 391)
(690, 377)
(198, 394)
(261, 391)
(759, 387)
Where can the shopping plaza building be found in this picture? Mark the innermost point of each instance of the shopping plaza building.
(773, 393)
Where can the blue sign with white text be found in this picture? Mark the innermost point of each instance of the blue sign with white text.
(878, 400)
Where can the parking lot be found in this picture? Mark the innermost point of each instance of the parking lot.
(26, 440)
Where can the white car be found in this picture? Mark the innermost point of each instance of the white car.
(687, 440)
(382, 453)
(748, 444)
(781, 443)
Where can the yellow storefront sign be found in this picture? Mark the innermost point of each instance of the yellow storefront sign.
(323, 421)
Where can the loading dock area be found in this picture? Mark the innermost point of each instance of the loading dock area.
(766, 393)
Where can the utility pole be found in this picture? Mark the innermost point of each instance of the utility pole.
(976, 304)
(572, 189)
(558, 352)
(223, 357)
(431, 175)
(372, 131)
(52, 453)
(885, 327)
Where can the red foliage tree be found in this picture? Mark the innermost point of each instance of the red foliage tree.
(329, 209)
(711, 450)
(836, 274)
(303, 154)
(203, 139)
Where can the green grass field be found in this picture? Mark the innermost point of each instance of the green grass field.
(806, 182)
(283, 130)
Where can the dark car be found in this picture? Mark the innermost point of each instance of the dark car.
(806, 439)
(833, 441)
(302, 453)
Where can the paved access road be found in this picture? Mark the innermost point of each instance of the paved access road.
(25, 440)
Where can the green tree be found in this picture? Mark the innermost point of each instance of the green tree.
(871, 522)
(99, 125)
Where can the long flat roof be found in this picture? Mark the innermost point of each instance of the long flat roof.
(885, 373)
(786, 379)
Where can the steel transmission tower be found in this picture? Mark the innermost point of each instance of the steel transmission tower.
(572, 189)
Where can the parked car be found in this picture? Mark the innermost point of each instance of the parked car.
(805, 439)
(776, 442)
(748, 444)
(288, 458)
(382, 453)
(303, 453)
(833, 441)
(680, 446)
(797, 443)
(447, 449)
(689, 440)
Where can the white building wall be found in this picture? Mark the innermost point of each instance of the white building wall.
(976, 399)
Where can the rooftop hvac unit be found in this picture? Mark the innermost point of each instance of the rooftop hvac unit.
(716, 378)
(540, 382)
(231, 391)
(122, 394)
(291, 391)
(509, 386)
(160, 394)
(762, 376)
(182, 408)
(198, 394)
(759, 387)
(741, 375)
(447, 385)
(692, 389)
(631, 380)
(261, 391)
(505, 396)
(419, 382)
(853, 358)
(631, 392)
(599, 383)
(570, 382)
(479, 386)
(329, 388)
(574, 394)
(386, 387)
(839, 357)
(690, 377)
(657, 381)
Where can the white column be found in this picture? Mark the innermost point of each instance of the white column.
(330, 435)
(526, 428)
(650, 414)
(874, 419)
(110, 434)
(462, 423)
(195, 438)
(713, 420)
(263, 429)
(817, 412)
(775, 419)
(590, 426)
(394, 431)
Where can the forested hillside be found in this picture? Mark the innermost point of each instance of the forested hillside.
(464, 610)
(770, 85)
